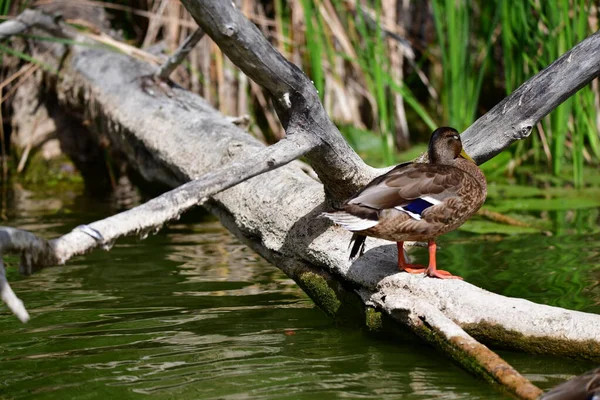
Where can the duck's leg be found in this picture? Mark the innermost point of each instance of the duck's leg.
(432, 270)
(404, 266)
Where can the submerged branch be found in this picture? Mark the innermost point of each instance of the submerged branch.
(31, 248)
(435, 328)
(9, 297)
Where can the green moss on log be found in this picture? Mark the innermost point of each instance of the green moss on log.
(338, 302)
(452, 349)
(50, 173)
(319, 291)
(497, 336)
(373, 320)
(346, 307)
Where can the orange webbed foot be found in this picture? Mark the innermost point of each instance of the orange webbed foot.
(412, 268)
(406, 267)
(441, 274)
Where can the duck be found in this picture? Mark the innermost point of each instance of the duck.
(417, 201)
(582, 387)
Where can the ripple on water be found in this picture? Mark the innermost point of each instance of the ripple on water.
(191, 313)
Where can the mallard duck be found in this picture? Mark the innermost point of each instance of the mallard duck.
(582, 387)
(417, 201)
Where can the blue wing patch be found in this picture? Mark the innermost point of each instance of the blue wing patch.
(417, 206)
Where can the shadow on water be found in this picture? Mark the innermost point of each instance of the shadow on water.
(192, 314)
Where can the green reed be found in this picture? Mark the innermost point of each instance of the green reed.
(369, 45)
(5, 6)
(531, 44)
(464, 48)
(481, 50)
(374, 66)
(314, 45)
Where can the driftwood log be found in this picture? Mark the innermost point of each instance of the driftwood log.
(178, 140)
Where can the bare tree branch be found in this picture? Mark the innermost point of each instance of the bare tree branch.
(294, 95)
(30, 19)
(152, 215)
(180, 54)
(434, 327)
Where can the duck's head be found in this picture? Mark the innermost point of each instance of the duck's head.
(445, 146)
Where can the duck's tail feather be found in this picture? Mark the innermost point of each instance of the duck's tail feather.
(349, 221)
(358, 246)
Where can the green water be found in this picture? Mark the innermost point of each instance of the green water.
(192, 314)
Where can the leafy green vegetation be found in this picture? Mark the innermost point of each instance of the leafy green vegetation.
(464, 56)
(481, 52)
(569, 133)
(5, 6)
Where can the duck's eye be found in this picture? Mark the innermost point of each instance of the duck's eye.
(455, 137)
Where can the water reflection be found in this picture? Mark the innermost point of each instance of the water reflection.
(558, 270)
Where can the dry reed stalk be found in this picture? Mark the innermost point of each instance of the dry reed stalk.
(243, 102)
(275, 128)
(330, 15)
(175, 34)
(24, 69)
(194, 84)
(545, 145)
(28, 147)
(228, 90)
(569, 145)
(124, 47)
(21, 80)
(296, 31)
(228, 87)
(118, 7)
(278, 26)
(155, 22)
(340, 102)
(206, 64)
(395, 53)
(218, 57)
(242, 95)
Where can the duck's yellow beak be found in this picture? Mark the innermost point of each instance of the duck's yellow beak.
(464, 155)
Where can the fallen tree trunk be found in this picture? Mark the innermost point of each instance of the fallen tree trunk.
(180, 137)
